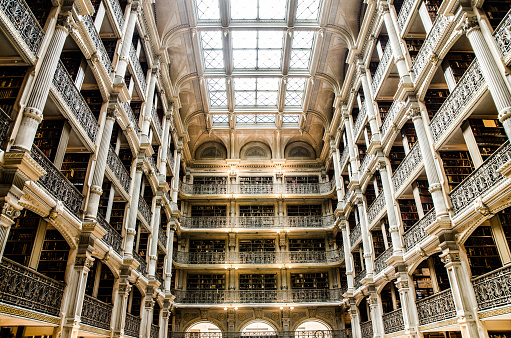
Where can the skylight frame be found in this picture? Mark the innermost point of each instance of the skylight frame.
(257, 10)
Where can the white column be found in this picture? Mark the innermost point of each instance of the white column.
(366, 244)
(132, 215)
(336, 160)
(153, 249)
(408, 307)
(177, 167)
(375, 312)
(170, 251)
(349, 136)
(355, 319)
(148, 109)
(124, 56)
(165, 145)
(347, 255)
(368, 101)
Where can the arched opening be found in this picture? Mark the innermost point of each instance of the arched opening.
(258, 326)
(203, 327)
(313, 329)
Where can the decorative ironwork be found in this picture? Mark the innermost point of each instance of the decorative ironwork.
(142, 268)
(155, 331)
(313, 296)
(26, 288)
(205, 222)
(98, 43)
(137, 70)
(376, 208)
(359, 122)
(21, 17)
(258, 222)
(355, 234)
(493, 289)
(364, 165)
(5, 123)
(412, 160)
(390, 119)
(204, 189)
(96, 313)
(112, 236)
(429, 45)
(131, 116)
(263, 334)
(393, 321)
(118, 169)
(481, 180)
(344, 157)
(417, 232)
(253, 296)
(254, 189)
(144, 210)
(379, 75)
(57, 184)
(75, 102)
(452, 108)
(502, 36)
(152, 164)
(380, 263)
(132, 325)
(162, 237)
(156, 123)
(358, 279)
(404, 13)
(117, 12)
(436, 308)
(367, 329)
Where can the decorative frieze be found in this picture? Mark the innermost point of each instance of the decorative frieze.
(418, 232)
(436, 308)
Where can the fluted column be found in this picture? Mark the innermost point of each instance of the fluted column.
(170, 249)
(349, 136)
(127, 41)
(496, 83)
(347, 255)
(147, 312)
(355, 319)
(177, 167)
(121, 303)
(33, 112)
(148, 110)
(336, 160)
(408, 307)
(132, 216)
(375, 312)
(368, 258)
(99, 170)
(368, 101)
(165, 145)
(153, 249)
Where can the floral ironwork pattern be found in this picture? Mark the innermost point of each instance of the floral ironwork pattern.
(367, 329)
(364, 165)
(57, 184)
(390, 119)
(355, 234)
(144, 210)
(132, 325)
(21, 17)
(380, 263)
(119, 170)
(456, 102)
(98, 43)
(258, 222)
(344, 157)
(152, 164)
(26, 288)
(480, 180)
(412, 160)
(162, 237)
(112, 236)
(142, 268)
(404, 13)
(75, 102)
(393, 321)
(253, 189)
(155, 330)
(156, 123)
(129, 112)
(96, 313)
(382, 68)
(376, 208)
(117, 12)
(359, 122)
(493, 289)
(502, 36)
(435, 308)
(417, 232)
(358, 279)
(137, 69)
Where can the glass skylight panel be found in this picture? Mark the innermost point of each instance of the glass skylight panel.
(293, 98)
(245, 83)
(307, 9)
(243, 10)
(212, 49)
(258, 9)
(301, 49)
(265, 118)
(220, 118)
(245, 98)
(215, 84)
(295, 83)
(290, 118)
(257, 49)
(208, 10)
(272, 9)
(294, 91)
(217, 92)
(256, 91)
(303, 39)
(249, 118)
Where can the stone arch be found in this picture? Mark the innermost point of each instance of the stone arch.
(264, 321)
(299, 150)
(211, 151)
(190, 325)
(255, 151)
(317, 321)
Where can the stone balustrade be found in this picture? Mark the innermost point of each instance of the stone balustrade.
(117, 14)
(198, 222)
(407, 8)
(366, 328)
(256, 189)
(131, 116)
(264, 334)
(390, 119)
(144, 210)
(360, 121)
(358, 279)
(98, 44)
(155, 120)
(138, 72)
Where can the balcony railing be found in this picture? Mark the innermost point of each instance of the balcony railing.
(5, 123)
(361, 118)
(162, 237)
(379, 75)
(98, 43)
(406, 9)
(393, 321)
(144, 210)
(366, 329)
(132, 325)
(28, 289)
(376, 208)
(96, 313)
(253, 222)
(482, 180)
(74, 101)
(23, 22)
(364, 165)
(57, 184)
(131, 116)
(493, 289)
(269, 257)
(156, 123)
(357, 281)
(405, 169)
(254, 189)
(137, 70)
(142, 268)
(453, 108)
(263, 334)
(119, 170)
(436, 308)
(117, 13)
(355, 234)
(155, 330)
(380, 263)
(502, 36)
(256, 297)
(112, 237)
(152, 164)
(344, 157)
(418, 232)
(390, 119)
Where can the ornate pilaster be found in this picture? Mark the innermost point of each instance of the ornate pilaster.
(165, 317)
(147, 312)
(375, 312)
(349, 136)
(409, 310)
(146, 123)
(170, 247)
(165, 145)
(126, 42)
(121, 303)
(7, 218)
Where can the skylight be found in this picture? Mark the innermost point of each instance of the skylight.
(307, 9)
(256, 118)
(212, 49)
(258, 10)
(217, 92)
(294, 91)
(301, 49)
(220, 118)
(208, 10)
(290, 118)
(257, 49)
(256, 91)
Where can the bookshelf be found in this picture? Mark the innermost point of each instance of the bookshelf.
(48, 135)
(432, 6)
(136, 107)
(496, 10)
(53, 259)
(209, 180)
(207, 246)
(306, 244)
(414, 45)
(482, 252)
(409, 214)
(258, 282)
(505, 219)
(357, 261)
(434, 99)
(257, 245)
(304, 210)
(94, 101)
(301, 179)
(11, 79)
(489, 135)
(257, 210)
(383, 108)
(408, 131)
(440, 273)
(74, 167)
(256, 180)
(205, 282)
(372, 67)
(106, 285)
(425, 195)
(457, 166)
(458, 63)
(209, 210)
(396, 155)
(72, 61)
(370, 193)
(318, 280)
(21, 237)
(422, 281)
(378, 243)
(126, 157)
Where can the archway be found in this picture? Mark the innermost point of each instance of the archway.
(203, 327)
(258, 326)
(313, 329)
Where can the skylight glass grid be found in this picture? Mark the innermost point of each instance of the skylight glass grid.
(258, 10)
(220, 118)
(255, 118)
(257, 49)
(217, 92)
(293, 98)
(307, 9)
(303, 39)
(256, 91)
(265, 118)
(248, 118)
(208, 10)
(290, 118)
(212, 49)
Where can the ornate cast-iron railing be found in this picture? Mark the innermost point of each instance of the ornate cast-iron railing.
(152, 164)
(144, 210)
(430, 45)
(357, 282)
(380, 263)
(131, 116)
(481, 180)
(98, 43)
(393, 321)
(418, 231)
(96, 313)
(376, 208)
(5, 123)
(162, 236)
(367, 329)
(28, 289)
(493, 289)
(137, 70)
(132, 325)
(364, 165)
(263, 334)
(382, 68)
(344, 157)
(142, 268)
(407, 166)
(406, 8)
(155, 330)
(390, 119)
(256, 297)
(198, 222)
(361, 118)
(436, 308)
(57, 184)
(502, 36)
(253, 189)
(75, 102)
(355, 234)
(112, 236)
(156, 122)
(116, 12)
(119, 170)
(24, 22)
(457, 102)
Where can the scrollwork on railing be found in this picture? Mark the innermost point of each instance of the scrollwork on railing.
(493, 289)
(376, 208)
(57, 184)
(502, 36)
(355, 234)
(112, 236)
(366, 329)
(162, 237)
(96, 313)
(344, 157)
(364, 165)
(390, 118)
(152, 164)
(393, 321)
(382, 68)
(98, 43)
(404, 13)
(156, 123)
(359, 122)
(205, 222)
(407, 166)
(142, 268)
(358, 279)
(457, 101)
(75, 102)
(137, 69)
(312, 296)
(204, 189)
(257, 297)
(481, 180)
(132, 325)
(144, 210)
(380, 263)
(131, 116)
(155, 331)
(28, 289)
(418, 231)
(22, 19)
(436, 308)
(118, 169)
(117, 12)
(5, 123)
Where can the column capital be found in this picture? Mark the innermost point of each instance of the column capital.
(414, 113)
(381, 165)
(112, 112)
(139, 167)
(383, 7)
(469, 24)
(10, 211)
(65, 21)
(136, 7)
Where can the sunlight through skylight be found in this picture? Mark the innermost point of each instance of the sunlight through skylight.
(258, 10)
(256, 91)
(257, 49)
(307, 9)
(208, 10)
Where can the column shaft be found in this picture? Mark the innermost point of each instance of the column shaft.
(132, 216)
(126, 43)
